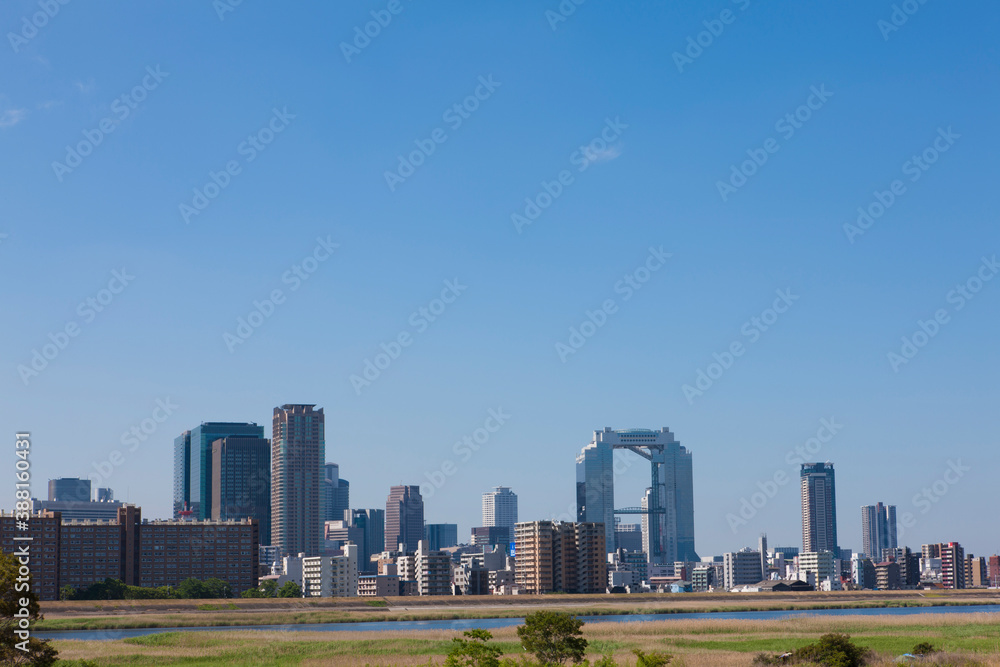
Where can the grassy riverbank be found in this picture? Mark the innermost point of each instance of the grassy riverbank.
(190, 613)
(696, 643)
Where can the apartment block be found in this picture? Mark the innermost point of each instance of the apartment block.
(331, 576)
(887, 576)
(432, 570)
(952, 565)
(818, 566)
(140, 553)
(553, 556)
(298, 456)
(741, 568)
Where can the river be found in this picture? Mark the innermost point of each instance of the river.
(488, 623)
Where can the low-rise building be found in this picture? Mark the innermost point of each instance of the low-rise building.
(331, 576)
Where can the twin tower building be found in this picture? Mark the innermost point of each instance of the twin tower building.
(667, 506)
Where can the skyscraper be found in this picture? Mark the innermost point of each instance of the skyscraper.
(70, 489)
(672, 500)
(372, 525)
(440, 535)
(500, 508)
(196, 445)
(404, 518)
(878, 529)
(241, 480)
(182, 473)
(336, 493)
(298, 452)
(819, 508)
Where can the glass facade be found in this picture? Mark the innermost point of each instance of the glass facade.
(200, 476)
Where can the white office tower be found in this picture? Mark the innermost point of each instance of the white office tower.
(500, 508)
(667, 510)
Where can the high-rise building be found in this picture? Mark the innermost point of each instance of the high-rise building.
(553, 556)
(432, 570)
(371, 522)
(336, 493)
(976, 572)
(404, 518)
(994, 571)
(671, 538)
(105, 495)
(69, 489)
(193, 452)
(741, 568)
(298, 452)
(441, 535)
(182, 474)
(819, 508)
(492, 536)
(499, 508)
(878, 529)
(241, 480)
(628, 536)
(952, 564)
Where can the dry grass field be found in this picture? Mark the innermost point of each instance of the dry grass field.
(694, 643)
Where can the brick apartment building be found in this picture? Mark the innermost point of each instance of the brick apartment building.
(554, 556)
(79, 553)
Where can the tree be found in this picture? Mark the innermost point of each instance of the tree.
(191, 588)
(833, 650)
(269, 588)
(14, 650)
(67, 593)
(553, 636)
(217, 588)
(474, 651)
(290, 590)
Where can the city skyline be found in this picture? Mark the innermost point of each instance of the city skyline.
(175, 316)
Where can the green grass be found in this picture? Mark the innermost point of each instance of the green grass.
(216, 607)
(377, 603)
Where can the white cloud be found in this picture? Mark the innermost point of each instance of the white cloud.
(12, 117)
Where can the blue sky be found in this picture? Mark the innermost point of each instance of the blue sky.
(222, 84)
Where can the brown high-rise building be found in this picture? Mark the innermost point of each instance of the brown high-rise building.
(404, 518)
(298, 453)
(553, 556)
(79, 553)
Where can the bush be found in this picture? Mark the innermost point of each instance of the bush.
(654, 659)
(833, 650)
(924, 648)
(553, 636)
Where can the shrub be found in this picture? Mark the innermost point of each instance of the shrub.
(833, 650)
